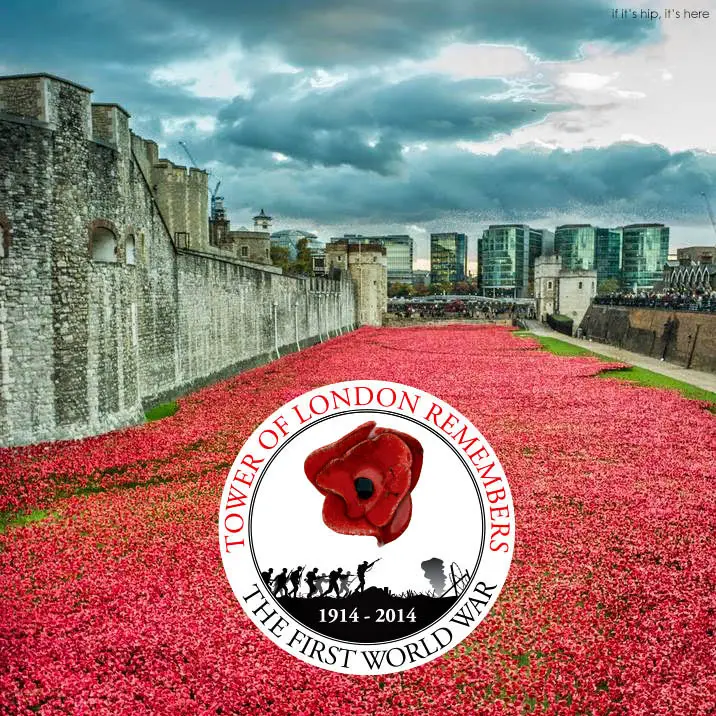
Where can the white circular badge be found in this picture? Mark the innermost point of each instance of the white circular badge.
(366, 527)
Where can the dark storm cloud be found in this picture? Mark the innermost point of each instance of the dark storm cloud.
(102, 45)
(345, 143)
(336, 126)
(45, 36)
(338, 32)
(130, 88)
(113, 46)
(643, 181)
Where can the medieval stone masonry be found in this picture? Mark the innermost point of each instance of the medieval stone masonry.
(112, 299)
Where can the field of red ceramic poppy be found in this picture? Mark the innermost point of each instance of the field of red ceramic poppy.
(117, 603)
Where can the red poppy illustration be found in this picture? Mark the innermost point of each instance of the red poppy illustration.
(367, 477)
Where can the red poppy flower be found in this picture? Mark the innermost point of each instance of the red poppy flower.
(367, 477)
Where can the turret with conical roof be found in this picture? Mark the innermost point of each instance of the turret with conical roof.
(262, 221)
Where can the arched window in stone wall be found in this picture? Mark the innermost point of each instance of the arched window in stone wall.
(4, 237)
(103, 241)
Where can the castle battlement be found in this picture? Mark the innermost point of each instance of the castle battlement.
(33, 76)
(182, 195)
(181, 192)
(110, 123)
(47, 98)
(179, 171)
(111, 297)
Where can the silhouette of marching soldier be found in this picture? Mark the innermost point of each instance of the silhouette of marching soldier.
(295, 579)
(345, 584)
(311, 579)
(267, 577)
(279, 582)
(363, 567)
(333, 578)
(321, 580)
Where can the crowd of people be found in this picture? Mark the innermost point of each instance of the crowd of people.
(336, 582)
(463, 308)
(670, 300)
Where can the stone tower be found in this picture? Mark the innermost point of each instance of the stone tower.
(367, 265)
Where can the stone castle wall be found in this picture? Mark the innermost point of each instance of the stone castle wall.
(692, 343)
(85, 345)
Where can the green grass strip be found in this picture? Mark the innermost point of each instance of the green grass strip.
(165, 410)
(649, 378)
(633, 374)
(8, 519)
(562, 348)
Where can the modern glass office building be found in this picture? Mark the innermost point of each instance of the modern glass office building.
(575, 244)
(587, 248)
(448, 257)
(608, 253)
(506, 256)
(289, 238)
(398, 251)
(645, 250)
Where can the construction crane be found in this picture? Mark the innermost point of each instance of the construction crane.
(216, 201)
(188, 153)
(710, 210)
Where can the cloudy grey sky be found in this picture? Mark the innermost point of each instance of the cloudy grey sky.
(406, 116)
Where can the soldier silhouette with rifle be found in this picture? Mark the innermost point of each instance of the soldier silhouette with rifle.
(295, 579)
(345, 584)
(279, 582)
(333, 578)
(267, 577)
(311, 579)
(363, 567)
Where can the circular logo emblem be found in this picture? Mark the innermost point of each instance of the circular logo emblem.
(366, 527)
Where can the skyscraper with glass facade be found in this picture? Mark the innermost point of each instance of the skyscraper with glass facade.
(645, 250)
(575, 244)
(583, 247)
(608, 254)
(506, 256)
(399, 253)
(398, 249)
(448, 257)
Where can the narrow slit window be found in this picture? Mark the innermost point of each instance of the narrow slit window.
(130, 250)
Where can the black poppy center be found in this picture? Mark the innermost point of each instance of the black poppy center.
(364, 487)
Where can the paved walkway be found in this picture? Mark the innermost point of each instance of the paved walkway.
(699, 378)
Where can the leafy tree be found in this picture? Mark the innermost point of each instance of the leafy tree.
(304, 259)
(609, 285)
(281, 257)
(440, 288)
(400, 290)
